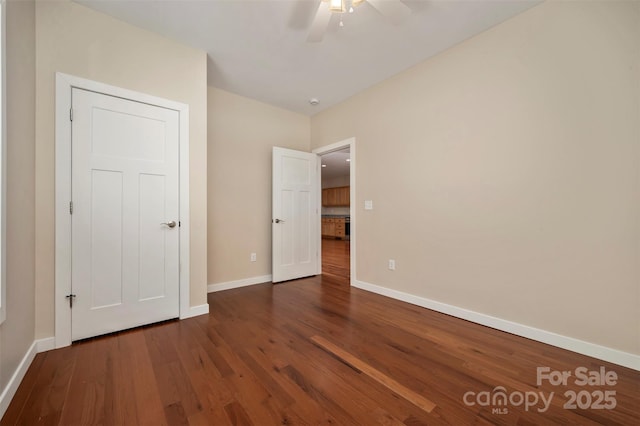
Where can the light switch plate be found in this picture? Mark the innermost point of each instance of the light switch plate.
(368, 204)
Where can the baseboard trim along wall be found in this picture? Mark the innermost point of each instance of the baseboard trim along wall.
(239, 283)
(9, 391)
(590, 349)
(47, 344)
(194, 311)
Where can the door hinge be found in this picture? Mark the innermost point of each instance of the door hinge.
(70, 297)
(70, 114)
(70, 207)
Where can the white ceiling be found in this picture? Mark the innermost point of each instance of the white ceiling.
(336, 164)
(258, 48)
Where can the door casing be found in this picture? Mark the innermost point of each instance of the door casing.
(64, 84)
(351, 144)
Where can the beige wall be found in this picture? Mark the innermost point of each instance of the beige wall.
(17, 332)
(241, 134)
(78, 41)
(514, 160)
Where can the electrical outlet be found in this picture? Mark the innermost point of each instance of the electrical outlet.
(254, 257)
(392, 264)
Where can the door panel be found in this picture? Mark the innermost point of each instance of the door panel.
(152, 212)
(295, 214)
(106, 238)
(304, 231)
(125, 262)
(112, 130)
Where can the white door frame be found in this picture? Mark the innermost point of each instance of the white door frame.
(64, 84)
(351, 144)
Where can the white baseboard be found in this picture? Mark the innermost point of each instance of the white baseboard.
(590, 349)
(194, 311)
(47, 344)
(239, 283)
(9, 391)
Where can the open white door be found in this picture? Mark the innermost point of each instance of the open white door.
(296, 217)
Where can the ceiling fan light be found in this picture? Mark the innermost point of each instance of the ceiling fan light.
(337, 6)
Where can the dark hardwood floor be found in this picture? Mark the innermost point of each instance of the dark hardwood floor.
(335, 259)
(312, 351)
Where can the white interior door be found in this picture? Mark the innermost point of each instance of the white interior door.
(125, 230)
(295, 214)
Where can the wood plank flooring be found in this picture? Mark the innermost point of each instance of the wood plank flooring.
(312, 351)
(336, 258)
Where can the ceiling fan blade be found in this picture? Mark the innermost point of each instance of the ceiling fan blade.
(319, 24)
(394, 10)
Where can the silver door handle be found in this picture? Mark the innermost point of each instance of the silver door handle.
(279, 221)
(171, 224)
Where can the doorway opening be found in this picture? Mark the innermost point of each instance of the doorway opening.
(336, 217)
(337, 181)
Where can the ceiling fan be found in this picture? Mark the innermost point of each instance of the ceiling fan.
(394, 10)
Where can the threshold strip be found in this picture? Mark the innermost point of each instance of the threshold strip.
(386, 381)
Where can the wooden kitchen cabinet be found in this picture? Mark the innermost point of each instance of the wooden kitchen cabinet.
(343, 196)
(336, 197)
(328, 197)
(339, 229)
(328, 227)
(333, 227)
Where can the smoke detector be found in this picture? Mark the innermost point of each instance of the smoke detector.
(314, 101)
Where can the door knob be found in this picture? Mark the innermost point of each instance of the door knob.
(171, 224)
(279, 221)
